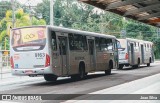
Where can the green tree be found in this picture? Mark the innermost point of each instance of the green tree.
(136, 29)
(66, 12)
(44, 9)
(156, 42)
(4, 6)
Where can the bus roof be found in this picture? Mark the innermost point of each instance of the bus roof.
(136, 40)
(56, 28)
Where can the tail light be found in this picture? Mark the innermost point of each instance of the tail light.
(126, 56)
(12, 63)
(47, 60)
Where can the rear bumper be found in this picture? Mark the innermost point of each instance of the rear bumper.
(123, 61)
(30, 72)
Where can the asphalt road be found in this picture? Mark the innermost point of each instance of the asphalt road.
(93, 82)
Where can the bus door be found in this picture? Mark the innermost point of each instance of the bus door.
(152, 53)
(63, 53)
(92, 53)
(142, 53)
(132, 53)
(116, 57)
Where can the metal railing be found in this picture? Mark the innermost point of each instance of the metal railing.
(4, 65)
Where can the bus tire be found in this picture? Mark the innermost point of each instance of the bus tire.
(120, 66)
(134, 66)
(75, 77)
(86, 74)
(50, 77)
(108, 71)
(148, 64)
(138, 65)
(81, 71)
(127, 65)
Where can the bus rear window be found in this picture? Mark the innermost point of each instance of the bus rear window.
(28, 39)
(122, 44)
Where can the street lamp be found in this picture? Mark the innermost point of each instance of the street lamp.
(13, 14)
(123, 31)
(51, 12)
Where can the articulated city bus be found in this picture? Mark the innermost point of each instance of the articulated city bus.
(55, 51)
(135, 52)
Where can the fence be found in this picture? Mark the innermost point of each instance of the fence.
(4, 65)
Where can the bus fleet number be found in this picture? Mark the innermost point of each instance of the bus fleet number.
(39, 55)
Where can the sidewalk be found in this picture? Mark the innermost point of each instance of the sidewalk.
(18, 79)
(6, 77)
(5, 69)
(148, 85)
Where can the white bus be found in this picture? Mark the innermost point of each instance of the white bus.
(55, 51)
(135, 52)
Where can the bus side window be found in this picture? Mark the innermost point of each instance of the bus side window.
(103, 44)
(71, 41)
(109, 45)
(135, 46)
(148, 47)
(118, 45)
(97, 44)
(53, 40)
(78, 42)
(145, 47)
(84, 43)
(128, 46)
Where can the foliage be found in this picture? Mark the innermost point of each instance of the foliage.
(6, 5)
(134, 29)
(43, 8)
(3, 8)
(156, 42)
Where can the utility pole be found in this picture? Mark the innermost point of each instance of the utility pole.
(102, 28)
(51, 13)
(5, 44)
(158, 30)
(13, 14)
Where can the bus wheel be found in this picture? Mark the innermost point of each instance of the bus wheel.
(75, 77)
(134, 66)
(50, 77)
(108, 71)
(127, 65)
(148, 64)
(138, 63)
(121, 66)
(81, 72)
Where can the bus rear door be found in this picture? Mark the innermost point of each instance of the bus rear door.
(116, 57)
(132, 54)
(63, 52)
(92, 53)
(142, 52)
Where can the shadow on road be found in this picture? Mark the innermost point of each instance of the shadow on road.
(131, 68)
(69, 80)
